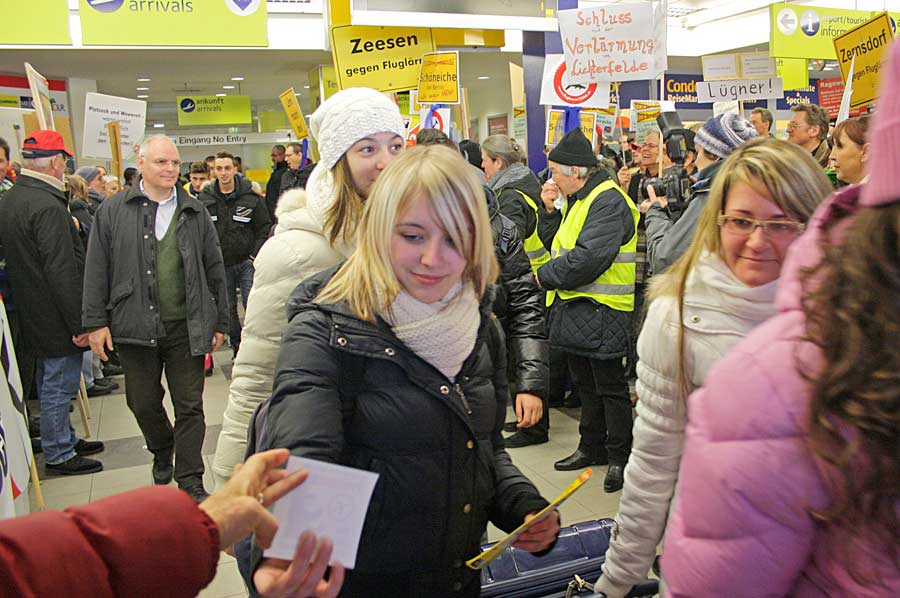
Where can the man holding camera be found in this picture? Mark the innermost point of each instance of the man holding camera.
(669, 230)
(590, 292)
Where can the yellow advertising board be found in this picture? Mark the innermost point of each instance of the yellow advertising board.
(35, 22)
(228, 23)
(384, 58)
(7, 101)
(555, 127)
(865, 46)
(802, 31)
(439, 78)
(294, 114)
(213, 110)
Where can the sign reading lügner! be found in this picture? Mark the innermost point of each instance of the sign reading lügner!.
(213, 110)
(229, 23)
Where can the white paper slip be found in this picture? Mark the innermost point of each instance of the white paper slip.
(331, 502)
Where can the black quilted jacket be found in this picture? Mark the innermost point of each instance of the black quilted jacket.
(580, 325)
(519, 305)
(436, 444)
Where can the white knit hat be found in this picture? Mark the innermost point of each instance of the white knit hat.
(348, 116)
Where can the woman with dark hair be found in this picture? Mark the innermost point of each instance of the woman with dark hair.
(851, 149)
(790, 479)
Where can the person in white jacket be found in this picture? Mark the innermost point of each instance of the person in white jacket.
(712, 297)
(359, 131)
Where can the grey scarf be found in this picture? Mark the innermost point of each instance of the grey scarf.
(510, 174)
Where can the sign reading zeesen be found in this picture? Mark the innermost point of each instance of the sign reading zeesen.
(384, 58)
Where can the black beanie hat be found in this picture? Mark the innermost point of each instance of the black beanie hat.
(573, 150)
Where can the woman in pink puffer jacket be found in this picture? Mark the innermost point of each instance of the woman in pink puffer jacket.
(790, 478)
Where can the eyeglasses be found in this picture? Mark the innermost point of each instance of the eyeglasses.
(162, 163)
(651, 146)
(792, 125)
(776, 230)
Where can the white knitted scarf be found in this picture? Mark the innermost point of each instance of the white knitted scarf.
(442, 333)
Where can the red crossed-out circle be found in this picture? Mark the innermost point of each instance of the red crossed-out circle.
(564, 95)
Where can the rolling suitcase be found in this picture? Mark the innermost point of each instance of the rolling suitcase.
(580, 550)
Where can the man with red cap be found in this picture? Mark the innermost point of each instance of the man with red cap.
(45, 261)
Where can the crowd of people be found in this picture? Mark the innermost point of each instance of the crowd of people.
(396, 300)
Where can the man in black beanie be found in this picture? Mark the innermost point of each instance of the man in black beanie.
(590, 291)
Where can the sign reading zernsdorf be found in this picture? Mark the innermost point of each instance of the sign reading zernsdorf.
(213, 110)
(384, 58)
(227, 23)
(866, 44)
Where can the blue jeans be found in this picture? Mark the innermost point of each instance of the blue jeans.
(240, 274)
(57, 380)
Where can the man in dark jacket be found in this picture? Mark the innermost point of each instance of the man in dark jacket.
(155, 284)
(590, 290)
(242, 222)
(297, 173)
(45, 261)
(273, 187)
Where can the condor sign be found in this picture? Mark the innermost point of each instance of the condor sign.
(231, 23)
(384, 58)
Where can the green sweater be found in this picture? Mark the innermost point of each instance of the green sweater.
(170, 273)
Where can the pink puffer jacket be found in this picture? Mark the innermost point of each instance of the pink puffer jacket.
(742, 523)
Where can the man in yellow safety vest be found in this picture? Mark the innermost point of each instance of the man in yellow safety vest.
(590, 292)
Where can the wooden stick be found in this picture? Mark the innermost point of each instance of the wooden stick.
(36, 484)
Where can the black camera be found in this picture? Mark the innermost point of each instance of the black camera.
(673, 183)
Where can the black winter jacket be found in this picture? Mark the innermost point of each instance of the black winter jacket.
(435, 444)
(514, 207)
(273, 188)
(519, 305)
(121, 289)
(581, 325)
(294, 179)
(45, 264)
(242, 219)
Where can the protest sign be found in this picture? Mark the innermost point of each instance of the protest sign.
(99, 111)
(556, 126)
(866, 44)
(40, 92)
(439, 78)
(739, 89)
(720, 66)
(557, 89)
(643, 117)
(613, 42)
(295, 116)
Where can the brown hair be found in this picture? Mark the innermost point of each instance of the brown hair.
(434, 137)
(850, 301)
(344, 212)
(503, 148)
(199, 167)
(856, 129)
(815, 115)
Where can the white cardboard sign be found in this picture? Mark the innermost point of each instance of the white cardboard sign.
(100, 109)
(740, 89)
(613, 42)
(557, 89)
(720, 66)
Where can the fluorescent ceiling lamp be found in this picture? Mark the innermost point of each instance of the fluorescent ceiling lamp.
(237, 78)
(219, 95)
(159, 126)
(143, 89)
(306, 87)
(228, 87)
(143, 96)
(144, 79)
(482, 78)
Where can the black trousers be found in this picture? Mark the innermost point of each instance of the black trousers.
(144, 393)
(605, 406)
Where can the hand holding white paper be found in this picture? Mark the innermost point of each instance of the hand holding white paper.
(332, 502)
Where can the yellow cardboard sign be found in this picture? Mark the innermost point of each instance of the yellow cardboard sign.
(384, 58)
(439, 78)
(213, 110)
(555, 126)
(114, 134)
(867, 43)
(294, 114)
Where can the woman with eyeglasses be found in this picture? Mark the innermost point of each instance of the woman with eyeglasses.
(707, 301)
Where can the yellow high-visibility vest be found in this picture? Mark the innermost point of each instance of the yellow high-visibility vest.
(534, 248)
(614, 287)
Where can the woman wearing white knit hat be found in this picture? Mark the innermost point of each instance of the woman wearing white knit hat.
(358, 132)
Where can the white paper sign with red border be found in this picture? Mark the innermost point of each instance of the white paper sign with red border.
(558, 90)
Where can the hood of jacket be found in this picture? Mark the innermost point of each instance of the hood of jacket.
(705, 177)
(293, 213)
(319, 197)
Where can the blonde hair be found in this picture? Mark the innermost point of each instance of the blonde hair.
(503, 148)
(441, 177)
(76, 187)
(785, 172)
(342, 216)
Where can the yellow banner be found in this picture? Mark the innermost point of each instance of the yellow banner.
(213, 110)
(7, 101)
(294, 114)
(555, 126)
(229, 23)
(439, 78)
(794, 72)
(35, 22)
(384, 58)
(801, 31)
(867, 43)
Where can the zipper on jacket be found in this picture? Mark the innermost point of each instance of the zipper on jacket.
(462, 396)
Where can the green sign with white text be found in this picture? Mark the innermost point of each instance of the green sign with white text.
(227, 23)
(213, 110)
(803, 31)
(35, 22)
